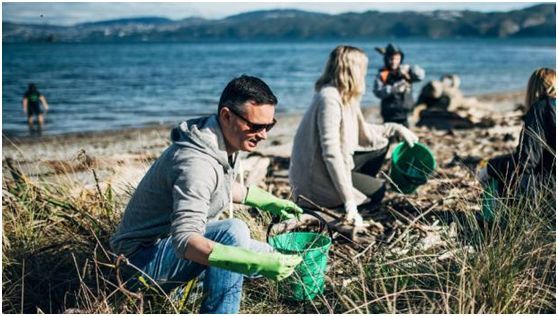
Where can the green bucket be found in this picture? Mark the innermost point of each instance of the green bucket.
(411, 167)
(489, 196)
(308, 279)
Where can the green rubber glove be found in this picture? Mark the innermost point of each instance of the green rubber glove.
(265, 201)
(274, 266)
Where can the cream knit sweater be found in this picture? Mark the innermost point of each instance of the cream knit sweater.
(322, 156)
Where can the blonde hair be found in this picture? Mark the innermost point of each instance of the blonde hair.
(541, 84)
(345, 70)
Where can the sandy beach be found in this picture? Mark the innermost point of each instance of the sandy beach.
(122, 157)
(65, 176)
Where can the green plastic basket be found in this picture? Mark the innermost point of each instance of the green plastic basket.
(489, 197)
(411, 166)
(308, 280)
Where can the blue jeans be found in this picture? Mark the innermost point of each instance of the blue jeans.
(222, 289)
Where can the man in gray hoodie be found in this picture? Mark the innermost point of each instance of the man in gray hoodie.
(170, 230)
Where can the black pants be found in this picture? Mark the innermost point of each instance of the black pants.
(34, 109)
(367, 166)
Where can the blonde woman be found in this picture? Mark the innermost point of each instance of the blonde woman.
(535, 156)
(336, 154)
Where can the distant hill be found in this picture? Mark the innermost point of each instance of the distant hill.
(270, 25)
(129, 21)
(274, 14)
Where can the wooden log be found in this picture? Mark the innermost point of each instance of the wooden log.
(334, 220)
(256, 169)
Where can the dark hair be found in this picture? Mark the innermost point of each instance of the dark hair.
(391, 50)
(246, 88)
(32, 87)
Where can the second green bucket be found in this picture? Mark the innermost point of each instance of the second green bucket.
(489, 197)
(411, 166)
(308, 280)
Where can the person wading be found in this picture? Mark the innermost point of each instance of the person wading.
(32, 100)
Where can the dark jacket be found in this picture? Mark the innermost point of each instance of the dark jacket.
(534, 157)
(395, 106)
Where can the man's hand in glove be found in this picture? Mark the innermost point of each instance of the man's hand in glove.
(274, 266)
(266, 201)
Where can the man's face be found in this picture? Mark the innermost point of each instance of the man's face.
(394, 61)
(238, 127)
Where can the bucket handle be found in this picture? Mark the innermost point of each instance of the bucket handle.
(309, 212)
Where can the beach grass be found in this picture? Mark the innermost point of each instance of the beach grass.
(56, 258)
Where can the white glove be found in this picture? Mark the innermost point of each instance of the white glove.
(404, 69)
(417, 73)
(412, 73)
(352, 216)
(400, 86)
(482, 175)
(409, 137)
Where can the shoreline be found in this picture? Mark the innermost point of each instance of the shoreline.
(368, 110)
(121, 157)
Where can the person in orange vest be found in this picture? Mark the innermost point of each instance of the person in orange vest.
(393, 85)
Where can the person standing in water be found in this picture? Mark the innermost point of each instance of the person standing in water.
(32, 100)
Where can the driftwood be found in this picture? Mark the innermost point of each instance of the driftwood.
(283, 150)
(442, 105)
(255, 168)
(441, 119)
(335, 221)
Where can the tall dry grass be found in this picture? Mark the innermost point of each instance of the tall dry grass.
(56, 258)
(503, 266)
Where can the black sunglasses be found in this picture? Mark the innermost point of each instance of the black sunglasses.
(254, 128)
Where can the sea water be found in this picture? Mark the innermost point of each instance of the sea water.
(94, 87)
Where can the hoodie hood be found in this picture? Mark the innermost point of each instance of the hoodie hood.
(388, 51)
(172, 198)
(204, 135)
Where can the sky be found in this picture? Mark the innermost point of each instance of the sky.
(70, 13)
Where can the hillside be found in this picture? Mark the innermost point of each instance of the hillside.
(535, 21)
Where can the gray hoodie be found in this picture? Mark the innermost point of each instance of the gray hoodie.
(187, 186)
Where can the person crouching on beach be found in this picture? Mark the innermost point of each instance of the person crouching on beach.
(533, 162)
(170, 230)
(336, 153)
(393, 85)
